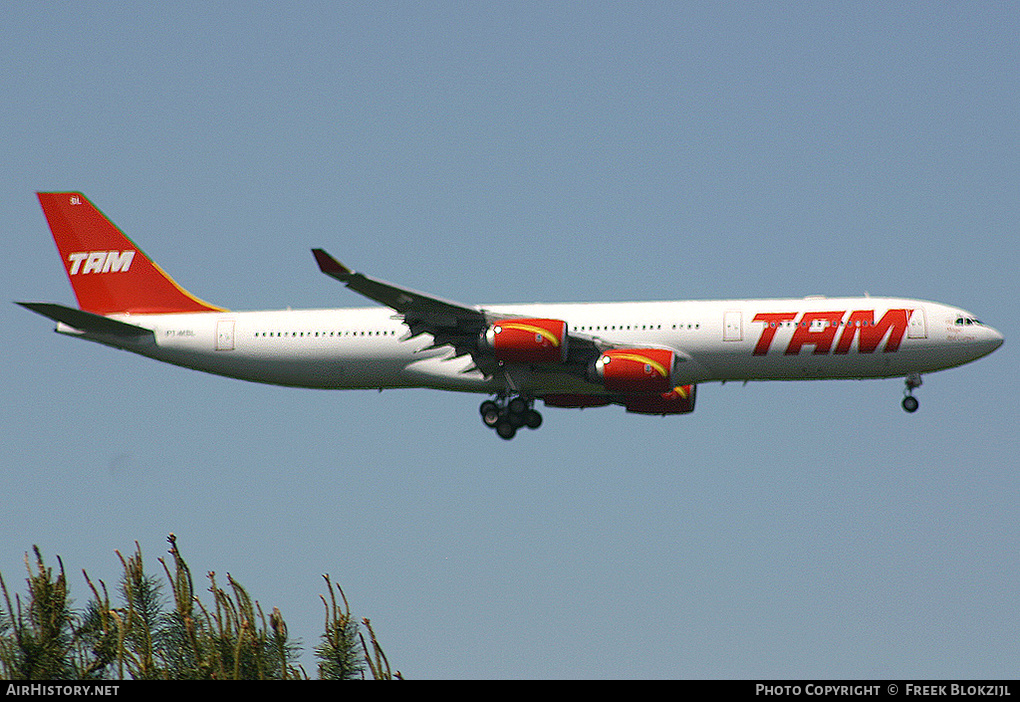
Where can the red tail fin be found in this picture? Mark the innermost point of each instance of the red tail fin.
(108, 272)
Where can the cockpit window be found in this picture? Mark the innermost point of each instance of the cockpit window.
(961, 321)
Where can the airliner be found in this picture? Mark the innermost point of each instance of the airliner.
(648, 357)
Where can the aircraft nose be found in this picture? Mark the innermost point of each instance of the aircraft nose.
(996, 339)
(988, 341)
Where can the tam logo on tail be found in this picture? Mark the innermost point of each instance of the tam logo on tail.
(91, 246)
(100, 262)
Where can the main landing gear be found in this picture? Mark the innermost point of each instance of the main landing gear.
(909, 401)
(508, 414)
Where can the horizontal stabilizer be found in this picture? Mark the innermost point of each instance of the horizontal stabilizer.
(85, 321)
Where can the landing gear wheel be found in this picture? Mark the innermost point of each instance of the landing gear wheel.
(515, 418)
(490, 413)
(505, 429)
(491, 418)
(909, 401)
(518, 405)
(507, 414)
(532, 419)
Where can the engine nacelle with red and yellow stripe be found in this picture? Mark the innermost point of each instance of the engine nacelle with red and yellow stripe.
(645, 371)
(680, 400)
(527, 340)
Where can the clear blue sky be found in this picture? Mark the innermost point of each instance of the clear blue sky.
(534, 151)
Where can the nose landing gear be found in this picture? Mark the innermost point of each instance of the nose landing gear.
(508, 414)
(909, 401)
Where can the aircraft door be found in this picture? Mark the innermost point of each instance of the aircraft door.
(917, 328)
(733, 328)
(225, 335)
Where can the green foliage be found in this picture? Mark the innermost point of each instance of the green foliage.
(339, 652)
(39, 636)
(147, 634)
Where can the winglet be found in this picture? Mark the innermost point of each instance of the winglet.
(330, 266)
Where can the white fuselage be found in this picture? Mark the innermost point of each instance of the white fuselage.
(782, 339)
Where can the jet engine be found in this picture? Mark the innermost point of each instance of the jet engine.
(678, 401)
(527, 340)
(644, 371)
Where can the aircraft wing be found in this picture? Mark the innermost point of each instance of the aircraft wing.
(410, 303)
(449, 323)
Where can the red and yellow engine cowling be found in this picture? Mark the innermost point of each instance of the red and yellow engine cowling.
(680, 400)
(527, 340)
(646, 371)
